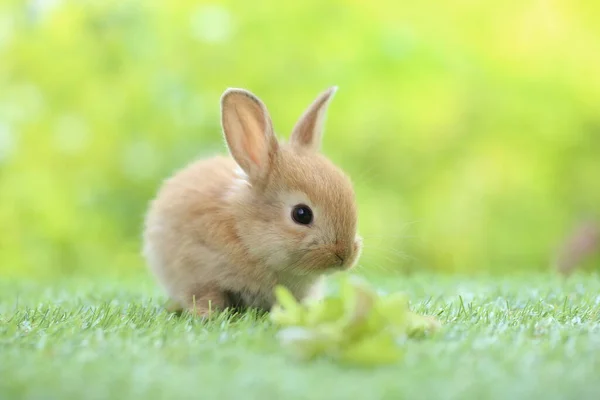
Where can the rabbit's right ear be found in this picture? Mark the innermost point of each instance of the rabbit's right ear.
(248, 131)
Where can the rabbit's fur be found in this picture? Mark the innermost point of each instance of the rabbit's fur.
(220, 232)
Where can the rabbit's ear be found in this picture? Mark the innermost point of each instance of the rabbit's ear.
(308, 131)
(248, 131)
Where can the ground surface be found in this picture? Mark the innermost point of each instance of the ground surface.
(527, 337)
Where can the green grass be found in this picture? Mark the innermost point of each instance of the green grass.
(526, 337)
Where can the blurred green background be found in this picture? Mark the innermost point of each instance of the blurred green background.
(471, 128)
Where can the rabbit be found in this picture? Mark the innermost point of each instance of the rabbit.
(223, 232)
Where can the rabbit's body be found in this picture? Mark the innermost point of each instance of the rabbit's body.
(190, 224)
(219, 234)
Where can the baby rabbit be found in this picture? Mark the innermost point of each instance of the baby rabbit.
(224, 231)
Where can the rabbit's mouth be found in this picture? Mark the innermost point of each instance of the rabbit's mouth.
(322, 259)
(329, 262)
(344, 256)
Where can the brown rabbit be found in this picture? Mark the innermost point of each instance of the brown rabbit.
(223, 232)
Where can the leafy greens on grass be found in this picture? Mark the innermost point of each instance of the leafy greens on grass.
(356, 325)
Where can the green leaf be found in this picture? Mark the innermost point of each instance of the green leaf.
(419, 325)
(327, 310)
(307, 343)
(285, 298)
(287, 311)
(356, 326)
(373, 350)
(395, 309)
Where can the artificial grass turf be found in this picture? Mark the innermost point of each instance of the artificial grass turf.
(533, 336)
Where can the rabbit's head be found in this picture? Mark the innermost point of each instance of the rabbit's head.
(295, 210)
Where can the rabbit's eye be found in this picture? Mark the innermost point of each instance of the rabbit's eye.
(302, 214)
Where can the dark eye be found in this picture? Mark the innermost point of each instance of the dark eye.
(302, 214)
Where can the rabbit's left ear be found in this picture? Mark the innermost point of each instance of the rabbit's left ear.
(308, 131)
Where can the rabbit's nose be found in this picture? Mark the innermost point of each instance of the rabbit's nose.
(342, 252)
